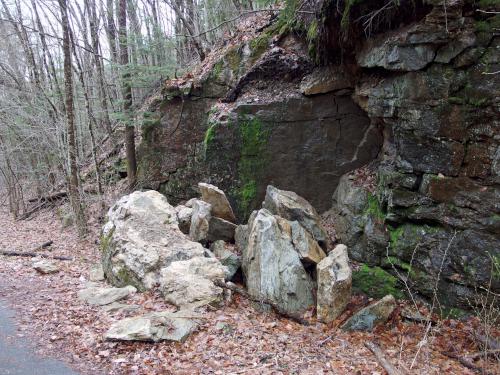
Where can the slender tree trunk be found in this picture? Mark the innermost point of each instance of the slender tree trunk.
(73, 185)
(90, 123)
(93, 23)
(49, 57)
(111, 30)
(189, 27)
(127, 96)
(157, 38)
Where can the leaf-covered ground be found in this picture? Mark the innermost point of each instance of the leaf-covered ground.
(251, 342)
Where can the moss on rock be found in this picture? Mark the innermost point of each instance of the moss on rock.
(375, 282)
(253, 138)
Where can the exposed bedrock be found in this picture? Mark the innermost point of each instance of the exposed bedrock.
(421, 100)
(272, 134)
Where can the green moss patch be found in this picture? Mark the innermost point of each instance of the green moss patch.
(104, 241)
(209, 135)
(374, 208)
(254, 139)
(375, 282)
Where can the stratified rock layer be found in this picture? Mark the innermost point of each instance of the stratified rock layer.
(421, 97)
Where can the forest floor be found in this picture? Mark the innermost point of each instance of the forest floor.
(49, 315)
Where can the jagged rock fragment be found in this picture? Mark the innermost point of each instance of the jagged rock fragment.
(200, 221)
(218, 200)
(334, 284)
(229, 259)
(308, 249)
(152, 327)
(293, 207)
(370, 316)
(184, 215)
(220, 229)
(272, 266)
(105, 296)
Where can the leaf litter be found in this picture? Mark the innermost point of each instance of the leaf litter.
(239, 338)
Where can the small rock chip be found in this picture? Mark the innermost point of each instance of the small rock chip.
(96, 273)
(45, 266)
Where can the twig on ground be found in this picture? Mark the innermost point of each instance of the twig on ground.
(466, 363)
(484, 353)
(33, 255)
(488, 342)
(381, 358)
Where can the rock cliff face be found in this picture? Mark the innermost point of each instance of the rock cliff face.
(419, 103)
(271, 135)
(433, 213)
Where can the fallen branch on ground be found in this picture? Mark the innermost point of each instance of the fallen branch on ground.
(488, 342)
(50, 198)
(44, 245)
(33, 255)
(41, 205)
(466, 363)
(484, 353)
(381, 359)
(233, 287)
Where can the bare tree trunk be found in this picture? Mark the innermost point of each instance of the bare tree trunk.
(156, 33)
(189, 27)
(127, 96)
(49, 56)
(105, 120)
(111, 30)
(73, 185)
(90, 123)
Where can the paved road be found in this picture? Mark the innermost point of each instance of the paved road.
(16, 355)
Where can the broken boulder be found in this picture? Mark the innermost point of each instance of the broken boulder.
(152, 327)
(105, 296)
(367, 318)
(218, 200)
(272, 267)
(191, 283)
(293, 207)
(141, 236)
(334, 284)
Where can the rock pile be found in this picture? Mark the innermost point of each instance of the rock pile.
(284, 258)
(287, 259)
(143, 246)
